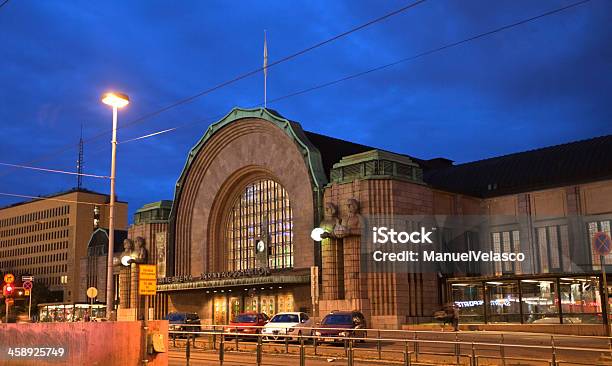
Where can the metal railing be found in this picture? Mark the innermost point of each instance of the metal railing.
(402, 347)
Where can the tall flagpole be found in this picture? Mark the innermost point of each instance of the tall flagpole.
(265, 71)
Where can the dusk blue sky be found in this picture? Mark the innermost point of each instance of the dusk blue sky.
(540, 84)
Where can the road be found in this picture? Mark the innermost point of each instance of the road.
(534, 349)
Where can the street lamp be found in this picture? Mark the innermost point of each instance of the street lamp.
(115, 100)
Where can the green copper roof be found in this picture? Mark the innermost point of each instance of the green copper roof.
(155, 205)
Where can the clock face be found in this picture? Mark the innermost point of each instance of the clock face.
(261, 246)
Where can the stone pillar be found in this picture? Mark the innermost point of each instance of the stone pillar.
(124, 287)
(352, 280)
(332, 269)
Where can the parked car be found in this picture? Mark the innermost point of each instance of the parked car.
(247, 323)
(290, 323)
(179, 321)
(339, 324)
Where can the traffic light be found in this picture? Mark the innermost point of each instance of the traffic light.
(8, 290)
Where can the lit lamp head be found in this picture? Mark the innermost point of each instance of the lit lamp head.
(126, 260)
(316, 234)
(115, 100)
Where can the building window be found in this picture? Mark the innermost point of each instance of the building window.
(553, 248)
(261, 210)
(593, 228)
(507, 242)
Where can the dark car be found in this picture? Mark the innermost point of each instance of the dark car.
(179, 321)
(247, 323)
(339, 324)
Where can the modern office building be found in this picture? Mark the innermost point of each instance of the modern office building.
(47, 237)
(256, 184)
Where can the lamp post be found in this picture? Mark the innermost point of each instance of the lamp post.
(115, 100)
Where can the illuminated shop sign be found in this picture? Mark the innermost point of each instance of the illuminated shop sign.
(254, 272)
(472, 303)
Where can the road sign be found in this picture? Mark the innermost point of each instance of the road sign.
(27, 278)
(147, 279)
(9, 278)
(92, 292)
(27, 285)
(602, 243)
(27, 292)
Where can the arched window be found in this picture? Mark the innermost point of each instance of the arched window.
(262, 204)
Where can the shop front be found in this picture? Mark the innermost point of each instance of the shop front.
(529, 299)
(58, 312)
(219, 301)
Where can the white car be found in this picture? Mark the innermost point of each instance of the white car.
(287, 323)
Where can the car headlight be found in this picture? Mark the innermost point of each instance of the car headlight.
(317, 333)
(342, 334)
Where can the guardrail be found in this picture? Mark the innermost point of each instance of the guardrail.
(410, 346)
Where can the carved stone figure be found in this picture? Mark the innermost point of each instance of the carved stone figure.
(352, 223)
(352, 226)
(142, 255)
(330, 222)
(128, 247)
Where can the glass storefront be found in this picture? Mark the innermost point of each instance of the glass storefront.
(581, 300)
(567, 300)
(539, 301)
(69, 312)
(469, 299)
(503, 305)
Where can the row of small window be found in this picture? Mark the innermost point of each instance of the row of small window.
(34, 216)
(51, 235)
(39, 248)
(31, 228)
(42, 259)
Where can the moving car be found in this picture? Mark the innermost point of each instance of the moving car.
(339, 324)
(247, 323)
(290, 323)
(179, 321)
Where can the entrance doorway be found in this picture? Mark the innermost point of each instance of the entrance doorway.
(235, 307)
(220, 310)
(268, 305)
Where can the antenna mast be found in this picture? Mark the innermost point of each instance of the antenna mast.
(80, 161)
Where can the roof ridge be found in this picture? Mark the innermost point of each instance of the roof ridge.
(533, 150)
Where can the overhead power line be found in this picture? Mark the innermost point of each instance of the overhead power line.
(238, 78)
(378, 68)
(54, 170)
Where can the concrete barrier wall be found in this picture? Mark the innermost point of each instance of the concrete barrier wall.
(93, 343)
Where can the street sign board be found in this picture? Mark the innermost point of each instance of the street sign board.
(27, 278)
(27, 292)
(27, 285)
(9, 278)
(602, 243)
(147, 279)
(92, 292)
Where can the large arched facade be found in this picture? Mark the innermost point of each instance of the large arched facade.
(253, 177)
